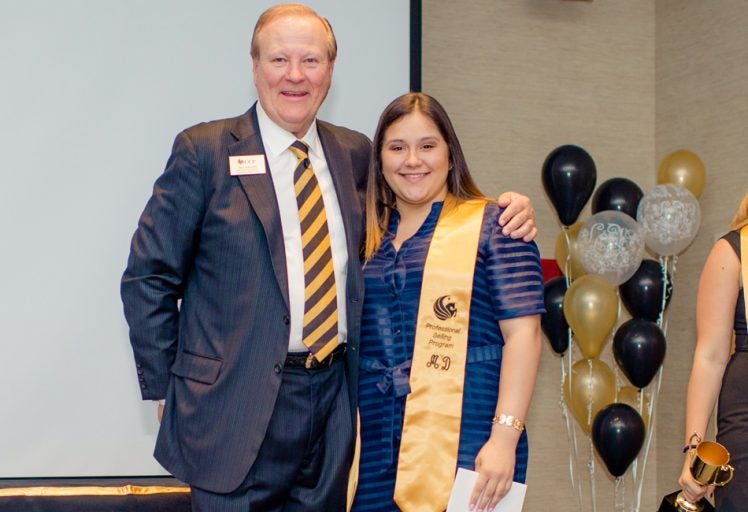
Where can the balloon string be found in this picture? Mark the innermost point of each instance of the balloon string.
(640, 402)
(589, 392)
(617, 385)
(591, 467)
(571, 431)
(618, 300)
(620, 493)
(567, 263)
(651, 410)
(640, 410)
(571, 438)
(662, 323)
(591, 459)
(665, 283)
(570, 425)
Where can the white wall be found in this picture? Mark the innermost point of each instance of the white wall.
(91, 95)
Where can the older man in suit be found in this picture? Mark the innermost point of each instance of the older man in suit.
(255, 226)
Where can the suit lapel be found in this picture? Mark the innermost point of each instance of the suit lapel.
(261, 194)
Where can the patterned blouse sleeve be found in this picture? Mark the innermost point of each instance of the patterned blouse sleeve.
(514, 272)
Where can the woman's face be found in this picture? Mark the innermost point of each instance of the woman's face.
(415, 161)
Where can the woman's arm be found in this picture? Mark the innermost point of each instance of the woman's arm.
(519, 368)
(715, 316)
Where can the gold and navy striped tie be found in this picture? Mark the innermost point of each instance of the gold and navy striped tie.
(320, 331)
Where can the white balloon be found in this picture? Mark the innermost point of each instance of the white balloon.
(611, 244)
(669, 216)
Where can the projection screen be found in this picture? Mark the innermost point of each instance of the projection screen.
(93, 93)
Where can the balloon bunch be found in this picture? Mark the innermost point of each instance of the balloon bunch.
(602, 259)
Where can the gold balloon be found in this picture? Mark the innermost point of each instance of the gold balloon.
(629, 395)
(591, 310)
(562, 252)
(592, 387)
(683, 168)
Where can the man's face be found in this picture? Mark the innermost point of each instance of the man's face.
(292, 72)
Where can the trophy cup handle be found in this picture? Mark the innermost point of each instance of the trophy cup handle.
(693, 442)
(725, 469)
(694, 439)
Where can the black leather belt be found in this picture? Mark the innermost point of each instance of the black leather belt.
(308, 361)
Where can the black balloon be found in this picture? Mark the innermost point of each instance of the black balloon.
(639, 349)
(569, 176)
(618, 435)
(553, 321)
(642, 293)
(617, 194)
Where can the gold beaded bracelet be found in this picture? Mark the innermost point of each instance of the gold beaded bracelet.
(509, 421)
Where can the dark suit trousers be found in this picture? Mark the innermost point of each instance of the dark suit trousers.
(304, 459)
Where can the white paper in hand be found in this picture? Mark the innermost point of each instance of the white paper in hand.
(465, 480)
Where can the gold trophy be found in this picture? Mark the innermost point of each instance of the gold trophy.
(709, 466)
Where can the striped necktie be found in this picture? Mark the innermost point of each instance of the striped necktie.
(320, 332)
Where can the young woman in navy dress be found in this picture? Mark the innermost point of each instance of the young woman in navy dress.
(418, 172)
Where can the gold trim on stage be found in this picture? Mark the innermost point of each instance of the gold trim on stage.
(124, 490)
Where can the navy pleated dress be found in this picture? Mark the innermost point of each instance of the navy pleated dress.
(507, 284)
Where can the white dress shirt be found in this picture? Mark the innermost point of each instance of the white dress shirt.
(282, 163)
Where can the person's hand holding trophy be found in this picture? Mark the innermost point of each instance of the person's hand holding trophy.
(708, 466)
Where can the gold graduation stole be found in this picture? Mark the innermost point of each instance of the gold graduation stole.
(353, 473)
(433, 409)
(744, 264)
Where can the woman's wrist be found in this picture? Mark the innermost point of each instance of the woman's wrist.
(508, 420)
(501, 432)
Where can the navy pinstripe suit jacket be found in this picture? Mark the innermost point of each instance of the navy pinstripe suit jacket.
(205, 295)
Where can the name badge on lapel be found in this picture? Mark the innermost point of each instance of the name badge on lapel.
(242, 165)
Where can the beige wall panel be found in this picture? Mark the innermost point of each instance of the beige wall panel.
(702, 105)
(519, 78)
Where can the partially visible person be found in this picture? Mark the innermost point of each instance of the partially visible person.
(450, 339)
(254, 364)
(718, 372)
